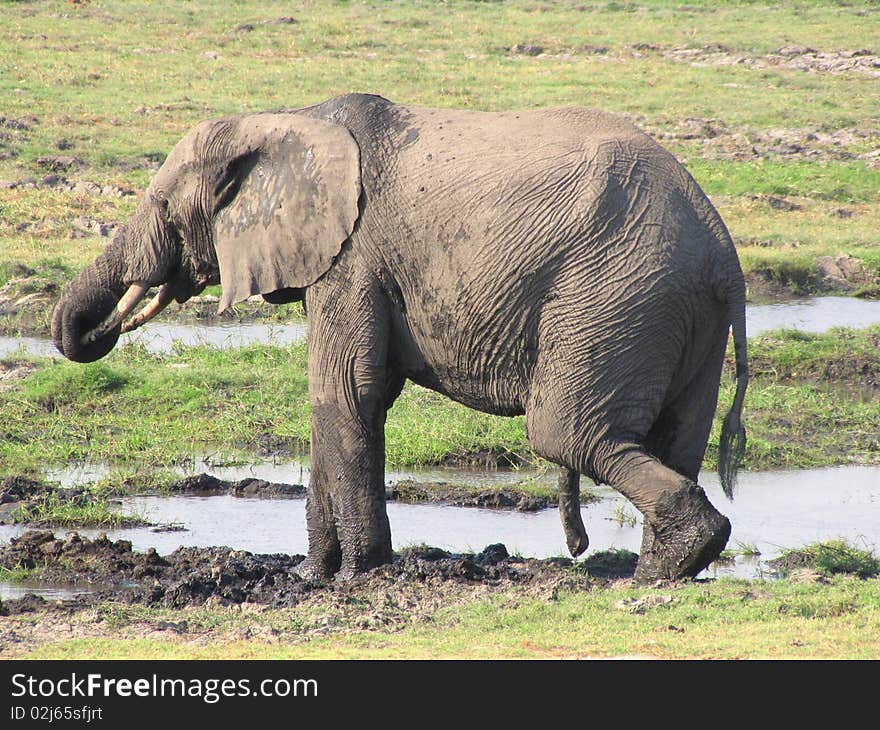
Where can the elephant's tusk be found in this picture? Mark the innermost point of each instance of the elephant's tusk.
(156, 305)
(123, 308)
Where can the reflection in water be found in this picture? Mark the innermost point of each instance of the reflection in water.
(772, 512)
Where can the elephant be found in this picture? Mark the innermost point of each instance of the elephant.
(557, 264)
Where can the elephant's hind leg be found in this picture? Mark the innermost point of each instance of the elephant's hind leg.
(683, 532)
(680, 433)
(570, 512)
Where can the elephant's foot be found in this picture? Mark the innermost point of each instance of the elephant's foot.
(357, 562)
(321, 564)
(687, 534)
(313, 571)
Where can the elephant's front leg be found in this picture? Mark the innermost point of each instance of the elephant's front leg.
(348, 382)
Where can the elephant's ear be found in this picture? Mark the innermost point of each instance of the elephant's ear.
(286, 200)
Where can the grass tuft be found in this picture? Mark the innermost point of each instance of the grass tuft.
(830, 558)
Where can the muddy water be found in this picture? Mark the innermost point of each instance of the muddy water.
(818, 314)
(772, 512)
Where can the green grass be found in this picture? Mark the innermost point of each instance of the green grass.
(809, 404)
(831, 558)
(118, 82)
(17, 574)
(843, 356)
(728, 619)
(57, 512)
(850, 182)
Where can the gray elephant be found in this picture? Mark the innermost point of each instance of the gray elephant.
(557, 264)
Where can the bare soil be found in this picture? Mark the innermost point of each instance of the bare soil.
(715, 140)
(792, 58)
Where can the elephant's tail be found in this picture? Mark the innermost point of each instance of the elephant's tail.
(733, 433)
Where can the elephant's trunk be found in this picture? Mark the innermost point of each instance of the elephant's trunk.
(87, 304)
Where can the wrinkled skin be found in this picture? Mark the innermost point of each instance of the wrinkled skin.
(557, 264)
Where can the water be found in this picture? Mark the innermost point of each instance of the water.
(772, 512)
(164, 337)
(51, 592)
(818, 314)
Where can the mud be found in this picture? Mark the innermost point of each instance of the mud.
(816, 562)
(222, 576)
(26, 300)
(861, 61)
(12, 371)
(853, 369)
(485, 459)
(206, 485)
(458, 495)
(14, 131)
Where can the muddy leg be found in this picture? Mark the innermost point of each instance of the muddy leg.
(570, 512)
(683, 532)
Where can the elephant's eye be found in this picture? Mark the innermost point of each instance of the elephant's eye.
(162, 206)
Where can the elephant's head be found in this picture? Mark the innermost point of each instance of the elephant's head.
(259, 203)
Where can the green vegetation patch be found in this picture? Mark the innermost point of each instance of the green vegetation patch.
(57, 511)
(849, 358)
(829, 558)
(812, 402)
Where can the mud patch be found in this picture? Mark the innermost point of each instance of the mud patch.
(13, 131)
(12, 371)
(458, 495)
(39, 504)
(846, 273)
(827, 558)
(26, 298)
(828, 275)
(207, 485)
(485, 459)
(222, 576)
